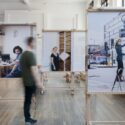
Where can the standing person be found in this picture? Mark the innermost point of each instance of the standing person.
(55, 59)
(118, 48)
(31, 78)
(16, 70)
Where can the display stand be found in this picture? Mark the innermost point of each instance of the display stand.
(88, 95)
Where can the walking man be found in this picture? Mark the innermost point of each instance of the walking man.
(31, 78)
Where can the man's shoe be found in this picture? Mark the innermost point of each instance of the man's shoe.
(27, 123)
(30, 121)
(33, 121)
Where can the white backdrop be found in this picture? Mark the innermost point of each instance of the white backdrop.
(78, 51)
(51, 39)
(15, 36)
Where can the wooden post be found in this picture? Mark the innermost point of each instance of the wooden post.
(72, 83)
(88, 109)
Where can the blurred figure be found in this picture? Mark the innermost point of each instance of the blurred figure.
(31, 78)
(16, 70)
(118, 48)
(55, 59)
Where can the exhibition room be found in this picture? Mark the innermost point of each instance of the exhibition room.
(62, 62)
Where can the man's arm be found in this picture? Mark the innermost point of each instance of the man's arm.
(123, 45)
(14, 66)
(13, 69)
(52, 62)
(36, 75)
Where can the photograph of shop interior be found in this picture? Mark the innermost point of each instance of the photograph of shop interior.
(102, 62)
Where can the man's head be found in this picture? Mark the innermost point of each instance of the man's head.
(55, 49)
(30, 42)
(17, 50)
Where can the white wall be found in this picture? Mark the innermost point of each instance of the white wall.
(64, 16)
(24, 17)
(50, 40)
(15, 35)
(78, 51)
(52, 16)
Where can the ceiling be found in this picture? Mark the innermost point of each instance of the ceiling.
(42, 1)
(31, 4)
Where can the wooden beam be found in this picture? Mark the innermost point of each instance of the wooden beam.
(49, 30)
(14, 24)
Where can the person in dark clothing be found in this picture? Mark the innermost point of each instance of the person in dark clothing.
(55, 60)
(118, 48)
(16, 70)
(31, 78)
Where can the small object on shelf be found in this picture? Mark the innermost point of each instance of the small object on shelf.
(68, 77)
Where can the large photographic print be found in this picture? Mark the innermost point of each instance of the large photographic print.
(106, 51)
(63, 51)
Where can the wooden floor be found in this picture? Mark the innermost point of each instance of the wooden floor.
(57, 106)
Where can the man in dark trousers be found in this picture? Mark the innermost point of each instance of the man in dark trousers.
(31, 78)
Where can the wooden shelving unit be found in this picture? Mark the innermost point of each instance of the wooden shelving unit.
(68, 50)
(65, 46)
(61, 48)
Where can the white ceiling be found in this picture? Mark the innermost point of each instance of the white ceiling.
(42, 1)
(32, 4)
(10, 0)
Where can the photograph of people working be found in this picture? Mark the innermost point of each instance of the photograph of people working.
(12, 67)
(16, 68)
